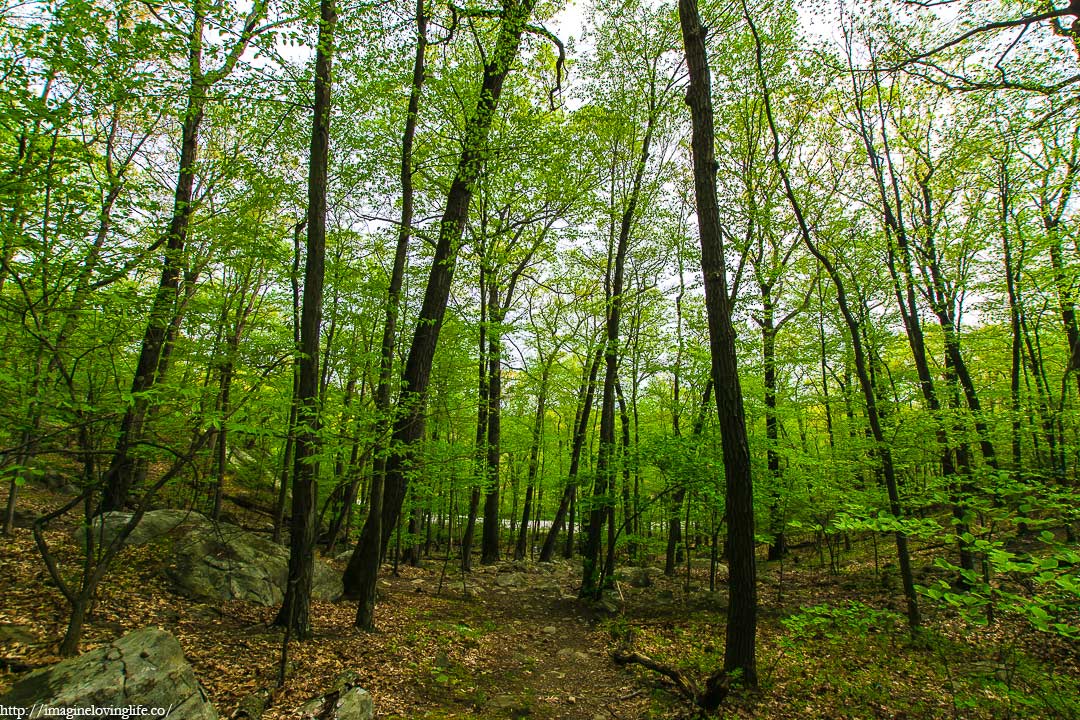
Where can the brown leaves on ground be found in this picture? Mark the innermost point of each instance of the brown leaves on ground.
(493, 646)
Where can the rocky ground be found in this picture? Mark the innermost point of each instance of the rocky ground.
(507, 640)
(512, 640)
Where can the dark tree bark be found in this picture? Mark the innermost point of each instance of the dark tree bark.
(294, 613)
(740, 651)
(364, 561)
(489, 546)
(409, 420)
(581, 428)
(498, 307)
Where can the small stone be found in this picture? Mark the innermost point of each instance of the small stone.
(551, 630)
(510, 580)
(509, 706)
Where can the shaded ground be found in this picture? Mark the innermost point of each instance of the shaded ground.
(515, 642)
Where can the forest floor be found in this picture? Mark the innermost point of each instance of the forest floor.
(512, 640)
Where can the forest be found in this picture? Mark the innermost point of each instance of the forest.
(678, 360)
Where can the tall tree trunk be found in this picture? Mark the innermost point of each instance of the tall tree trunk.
(900, 253)
(489, 547)
(483, 406)
(363, 567)
(290, 430)
(605, 474)
(164, 308)
(534, 459)
(294, 613)
(581, 428)
(121, 473)
(778, 547)
(739, 651)
(408, 425)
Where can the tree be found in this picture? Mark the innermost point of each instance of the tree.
(740, 650)
(368, 556)
(409, 420)
(294, 613)
(861, 367)
(164, 311)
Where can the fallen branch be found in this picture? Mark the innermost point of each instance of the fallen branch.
(716, 688)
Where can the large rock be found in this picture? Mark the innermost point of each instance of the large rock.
(639, 577)
(352, 704)
(153, 525)
(510, 580)
(345, 700)
(145, 667)
(216, 562)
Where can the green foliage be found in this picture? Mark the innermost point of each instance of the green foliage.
(837, 622)
(1044, 589)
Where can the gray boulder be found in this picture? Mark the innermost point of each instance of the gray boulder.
(344, 701)
(218, 562)
(639, 577)
(153, 525)
(145, 667)
(510, 580)
(352, 704)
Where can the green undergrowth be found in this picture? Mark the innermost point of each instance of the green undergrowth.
(847, 659)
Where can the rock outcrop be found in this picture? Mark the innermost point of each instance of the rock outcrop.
(143, 668)
(218, 561)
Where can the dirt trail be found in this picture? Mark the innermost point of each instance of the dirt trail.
(517, 644)
(524, 646)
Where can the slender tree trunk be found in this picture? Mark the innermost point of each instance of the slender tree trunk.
(778, 547)
(363, 567)
(605, 476)
(408, 425)
(489, 546)
(121, 473)
(581, 427)
(483, 407)
(629, 509)
(861, 370)
(164, 310)
(740, 651)
(294, 613)
(534, 460)
(290, 430)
